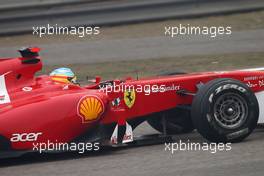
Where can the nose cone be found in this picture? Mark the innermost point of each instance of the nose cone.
(90, 108)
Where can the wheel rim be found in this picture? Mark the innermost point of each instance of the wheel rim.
(230, 110)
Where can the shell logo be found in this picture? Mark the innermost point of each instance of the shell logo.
(90, 108)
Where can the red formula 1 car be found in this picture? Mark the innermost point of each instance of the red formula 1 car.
(222, 106)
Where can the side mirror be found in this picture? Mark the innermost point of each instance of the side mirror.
(98, 79)
(95, 80)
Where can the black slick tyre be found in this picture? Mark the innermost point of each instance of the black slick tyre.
(225, 110)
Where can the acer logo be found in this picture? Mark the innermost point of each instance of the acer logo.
(25, 137)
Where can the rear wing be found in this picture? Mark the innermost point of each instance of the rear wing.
(30, 55)
(20, 71)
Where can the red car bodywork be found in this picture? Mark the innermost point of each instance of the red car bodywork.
(39, 105)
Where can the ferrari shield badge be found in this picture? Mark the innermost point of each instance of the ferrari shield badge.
(129, 98)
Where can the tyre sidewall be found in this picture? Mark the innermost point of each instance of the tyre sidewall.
(203, 115)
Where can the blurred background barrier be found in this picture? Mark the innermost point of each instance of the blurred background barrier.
(13, 4)
(18, 17)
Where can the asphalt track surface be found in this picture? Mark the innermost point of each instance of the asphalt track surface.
(146, 48)
(245, 159)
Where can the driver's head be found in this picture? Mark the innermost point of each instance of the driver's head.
(63, 75)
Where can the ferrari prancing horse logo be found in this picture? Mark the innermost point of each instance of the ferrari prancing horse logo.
(129, 98)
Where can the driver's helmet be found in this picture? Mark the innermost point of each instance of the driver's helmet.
(63, 75)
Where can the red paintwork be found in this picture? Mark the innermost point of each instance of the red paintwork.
(51, 108)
